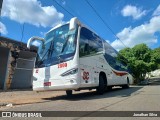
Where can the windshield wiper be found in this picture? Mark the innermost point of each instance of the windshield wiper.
(51, 48)
(49, 51)
(60, 59)
(38, 64)
(58, 56)
(65, 43)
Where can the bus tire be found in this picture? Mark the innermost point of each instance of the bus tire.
(101, 88)
(127, 85)
(109, 88)
(69, 93)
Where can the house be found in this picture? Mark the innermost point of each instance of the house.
(16, 64)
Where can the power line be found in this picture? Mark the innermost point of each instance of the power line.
(104, 22)
(96, 14)
(78, 15)
(63, 8)
(68, 11)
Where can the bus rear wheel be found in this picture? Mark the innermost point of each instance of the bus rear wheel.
(127, 85)
(101, 88)
(69, 93)
(109, 88)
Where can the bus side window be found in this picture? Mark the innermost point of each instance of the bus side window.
(84, 47)
(90, 43)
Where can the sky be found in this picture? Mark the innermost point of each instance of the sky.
(132, 21)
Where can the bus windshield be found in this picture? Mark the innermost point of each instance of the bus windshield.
(59, 46)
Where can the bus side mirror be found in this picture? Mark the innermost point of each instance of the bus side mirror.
(33, 39)
(73, 23)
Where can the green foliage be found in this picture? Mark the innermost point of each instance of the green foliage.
(140, 59)
(156, 55)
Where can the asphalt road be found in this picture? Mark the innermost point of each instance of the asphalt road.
(136, 98)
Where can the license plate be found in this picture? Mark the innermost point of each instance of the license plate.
(47, 83)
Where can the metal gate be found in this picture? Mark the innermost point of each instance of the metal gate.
(22, 78)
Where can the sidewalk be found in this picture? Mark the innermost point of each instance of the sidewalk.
(19, 97)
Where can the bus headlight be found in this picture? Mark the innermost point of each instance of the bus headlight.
(70, 72)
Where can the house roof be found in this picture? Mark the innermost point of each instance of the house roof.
(21, 45)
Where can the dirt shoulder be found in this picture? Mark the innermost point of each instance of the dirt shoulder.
(16, 97)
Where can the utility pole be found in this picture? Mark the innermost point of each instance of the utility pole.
(1, 2)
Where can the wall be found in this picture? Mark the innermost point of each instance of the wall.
(4, 54)
(16, 49)
(23, 70)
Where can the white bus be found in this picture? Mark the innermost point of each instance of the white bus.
(72, 57)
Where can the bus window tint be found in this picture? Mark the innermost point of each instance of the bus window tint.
(84, 46)
(90, 43)
(111, 55)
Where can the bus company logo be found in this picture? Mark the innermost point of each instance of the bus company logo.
(85, 75)
(62, 65)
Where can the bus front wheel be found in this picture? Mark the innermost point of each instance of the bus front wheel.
(69, 93)
(101, 88)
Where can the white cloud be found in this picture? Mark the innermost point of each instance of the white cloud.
(3, 29)
(157, 11)
(36, 43)
(32, 12)
(108, 41)
(133, 11)
(144, 33)
(42, 34)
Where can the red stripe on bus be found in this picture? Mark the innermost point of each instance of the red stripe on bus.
(120, 73)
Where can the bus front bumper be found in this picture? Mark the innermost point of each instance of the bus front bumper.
(57, 88)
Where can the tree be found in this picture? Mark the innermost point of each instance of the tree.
(140, 59)
(155, 57)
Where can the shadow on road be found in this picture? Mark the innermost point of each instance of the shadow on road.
(115, 92)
